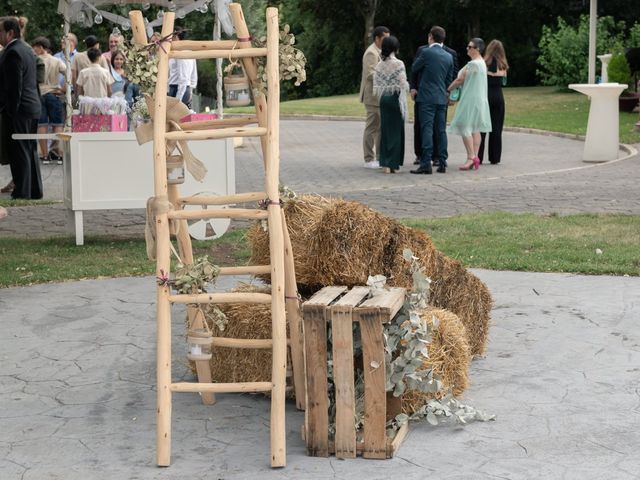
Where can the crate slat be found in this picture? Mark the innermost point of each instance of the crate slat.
(375, 397)
(342, 340)
(389, 302)
(316, 400)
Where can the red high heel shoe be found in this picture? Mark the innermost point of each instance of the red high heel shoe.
(469, 165)
(476, 162)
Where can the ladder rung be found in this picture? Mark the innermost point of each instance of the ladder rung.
(203, 45)
(253, 343)
(232, 297)
(219, 123)
(246, 270)
(228, 53)
(244, 387)
(216, 133)
(250, 213)
(222, 200)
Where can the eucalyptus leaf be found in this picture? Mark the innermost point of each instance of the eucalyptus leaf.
(432, 419)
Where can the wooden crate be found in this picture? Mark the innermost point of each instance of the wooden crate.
(339, 308)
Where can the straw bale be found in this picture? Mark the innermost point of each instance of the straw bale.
(453, 287)
(468, 297)
(302, 215)
(349, 244)
(449, 356)
(336, 242)
(244, 321)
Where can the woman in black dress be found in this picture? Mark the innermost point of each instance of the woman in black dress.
(497, 67)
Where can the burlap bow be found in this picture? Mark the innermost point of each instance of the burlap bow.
(176, 110)
(155, 206)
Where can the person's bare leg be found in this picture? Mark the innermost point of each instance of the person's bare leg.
(477, 138)
(44, 149)
(468, 146)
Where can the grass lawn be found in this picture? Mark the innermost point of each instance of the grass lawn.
(543, 108)
(500, 241)
(23, 202)
(27, 261)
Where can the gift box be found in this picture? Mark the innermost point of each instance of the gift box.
(198, 117)
(99, 123)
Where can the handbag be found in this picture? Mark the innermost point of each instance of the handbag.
(454, 95)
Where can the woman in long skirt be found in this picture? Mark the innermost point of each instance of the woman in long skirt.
(390, 84)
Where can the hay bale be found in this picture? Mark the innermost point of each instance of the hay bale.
(453, 287)
(461, 292)
(336, 242)
(303, 215)
(449, 356)
(350, 243)
(244, 321)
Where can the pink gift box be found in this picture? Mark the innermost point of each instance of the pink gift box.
(99, 123)
(198, 117)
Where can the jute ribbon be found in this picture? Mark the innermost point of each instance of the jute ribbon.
(176, 110)
(155, 206)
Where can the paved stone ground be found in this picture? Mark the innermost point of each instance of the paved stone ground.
(539, 173)
(77, 392)
(77, 379)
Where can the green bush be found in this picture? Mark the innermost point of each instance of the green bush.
(564, 51)
(619, 71)
(634, 36)
(207, 78)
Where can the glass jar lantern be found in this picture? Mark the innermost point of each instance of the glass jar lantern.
(175, 170)
(236, 88)
(199, 343)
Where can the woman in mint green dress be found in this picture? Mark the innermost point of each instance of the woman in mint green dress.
(472, 112)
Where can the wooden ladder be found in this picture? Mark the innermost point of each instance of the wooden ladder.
(283, 297)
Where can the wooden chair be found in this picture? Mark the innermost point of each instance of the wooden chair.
(283, 295)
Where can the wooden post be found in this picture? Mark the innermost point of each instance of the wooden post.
(163, 413)
(293, 317)
(251, 69)
(276, 248)
(196, 320)
(137, 27)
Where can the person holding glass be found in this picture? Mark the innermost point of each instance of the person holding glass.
(472, 112)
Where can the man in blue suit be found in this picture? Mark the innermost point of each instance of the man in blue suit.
(435, 68)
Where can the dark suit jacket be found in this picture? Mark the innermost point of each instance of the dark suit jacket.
(19, 94)
(414, 79)
(435, 69)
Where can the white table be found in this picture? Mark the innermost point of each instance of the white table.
(109, 170)
(603, 127)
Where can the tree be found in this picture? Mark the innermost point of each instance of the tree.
(368, 10)
(564, 50)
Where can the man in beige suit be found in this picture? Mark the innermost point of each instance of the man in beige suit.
(371, 138)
